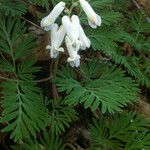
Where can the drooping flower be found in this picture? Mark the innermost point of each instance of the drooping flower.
(94, 19)
(47, 21)
(74, 58)
(57, 36)
(72, 31)
(84, 41)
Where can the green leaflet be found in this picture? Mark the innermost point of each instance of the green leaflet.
(47, 141)
(22, 103)
(111, 89)
(60, 116)
(124, 131)
(13, 7)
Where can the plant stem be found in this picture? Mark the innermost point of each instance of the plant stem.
(55, 67)
(54, 89)
(138, 30)
(139, 7)
(8, 79)
(43, 80)
(30, 22)
(71, 8)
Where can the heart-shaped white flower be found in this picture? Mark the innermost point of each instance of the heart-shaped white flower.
(72, 31)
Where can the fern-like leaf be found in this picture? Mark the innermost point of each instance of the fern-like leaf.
(23, 108)
(46, 141)
(43, 3)
(112, 90)
(60, 116)
(13, 7)
(105, 40)
(122, 131)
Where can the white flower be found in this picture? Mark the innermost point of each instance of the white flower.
(93, 19)
(84, 41)
(72, 31)
(57, 36)
(74, 58)
(47, 21)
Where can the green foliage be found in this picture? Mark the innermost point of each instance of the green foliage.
(104, 9)
(47, 142)
(22, 103)
(119, 50)
(137, 26)
(104, 39)
(13, 7)
(108, 39)
(111, 89)
(43, 3)
(68, 2)
(60, 116)
(125, 131)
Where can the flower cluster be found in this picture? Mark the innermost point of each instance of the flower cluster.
(70, 30)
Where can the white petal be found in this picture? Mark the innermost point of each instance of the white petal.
(60, 36)
(75, 25)
(74, 58)
(94, 20)
(92, 24)
(48, 28)
(76, 62)
(61, 49)
(53, 52)
(99, 20)
(87, 8)
(68, 26)
(57, 36)
(85, 42)
(72, 53)
(48, 47)
(50, 19)
(71, 29)
(53, 34)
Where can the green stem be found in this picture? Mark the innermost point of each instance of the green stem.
(138, 29)
(71, 8)
(55, 67)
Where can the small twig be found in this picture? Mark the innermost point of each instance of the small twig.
(139, 7)
(30, 22)
(50, 76)
(69, 146)
(136, 4)
(8, 79)
(43, 80)
(2, 55)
